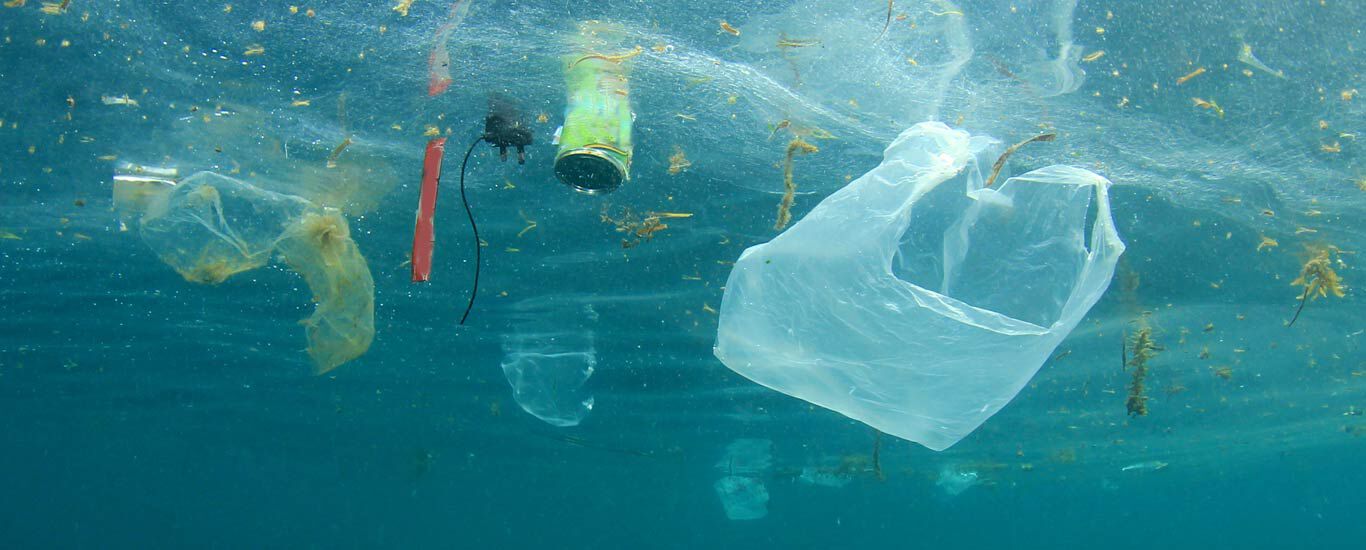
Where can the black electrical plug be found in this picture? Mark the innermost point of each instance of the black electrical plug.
(504, 127)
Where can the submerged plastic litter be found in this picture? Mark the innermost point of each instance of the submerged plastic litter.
(210, 227)
(953, 481)
(547, 372)
(745, 464)
(743, 498)
(913, 299)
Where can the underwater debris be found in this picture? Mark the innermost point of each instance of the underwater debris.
(402, 7)
(1245, 56)
(123, 100)
(210, 227)
(53, 8)
(678, 162)
(336, 152)
(1190, 75)
(638, 229)
(1093, 56)
(1149, 466)
(1001, 161)
(953, 480)
(1223, 371)
(1209, 105)
(794, 148)
(530, 224)
(15, 3)
(1318, 277)
(729, 29)
(1144, 349)
(784, 123)
(439, 62)
(1267, 242)
(784, 42)
(887, 24)
(254, 49)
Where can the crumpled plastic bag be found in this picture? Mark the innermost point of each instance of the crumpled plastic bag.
(913, 299)
(210, 227)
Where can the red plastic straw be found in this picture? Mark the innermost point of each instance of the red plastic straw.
(424, 235)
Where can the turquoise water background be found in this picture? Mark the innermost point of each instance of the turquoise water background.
(140, 410)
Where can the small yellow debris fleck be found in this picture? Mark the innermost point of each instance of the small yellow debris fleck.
(542, 118)
(1335, 147)
(310, 13)
(54, 8)
(1347, 95)
(1100, 30)
(1190, 75)
(729, 29)
(227, 8)
(1093, 56)
(1267, 242)
(1209, 105)
(708, 309)
(258, 25)
(255, 49)
(65, 43)
(1302, 230)
(15, 3)
(402, 7)
(1323, 125)
(431, 131)
(293, 10)
(300, 103)
(6, 235)
(40, 42)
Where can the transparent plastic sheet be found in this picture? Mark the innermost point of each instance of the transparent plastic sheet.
(747, 457)
(547, 371)
(922, 332)
(743, 498)
(319, 247)
(210, 227)
(744, 464)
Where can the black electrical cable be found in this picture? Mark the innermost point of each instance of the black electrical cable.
(477, 243)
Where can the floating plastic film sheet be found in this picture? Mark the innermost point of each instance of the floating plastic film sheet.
(745, 464)
(915, 300)
(210, 227)
(547, 370)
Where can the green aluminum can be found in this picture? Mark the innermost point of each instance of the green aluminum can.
(595, 142)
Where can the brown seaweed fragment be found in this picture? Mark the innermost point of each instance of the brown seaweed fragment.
(794, 148)
(1001, 162)
(1318, 278)
(1144, 348)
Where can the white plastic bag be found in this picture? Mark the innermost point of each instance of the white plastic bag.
(918, 308)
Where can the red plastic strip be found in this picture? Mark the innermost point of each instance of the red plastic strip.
(424, 235)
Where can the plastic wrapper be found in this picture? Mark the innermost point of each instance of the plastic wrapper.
(743, 498)
(913, 299)
(210, 227)
(547, 371)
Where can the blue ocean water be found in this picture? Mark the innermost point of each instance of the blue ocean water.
(138, 409)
